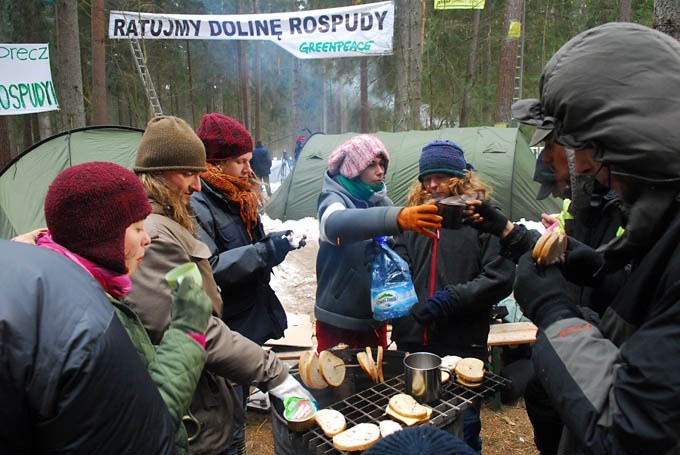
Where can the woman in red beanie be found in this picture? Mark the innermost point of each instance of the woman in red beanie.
(95, 216)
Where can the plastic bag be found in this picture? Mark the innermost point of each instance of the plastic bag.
(392, 291)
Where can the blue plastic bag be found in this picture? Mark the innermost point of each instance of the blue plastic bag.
(392, 291)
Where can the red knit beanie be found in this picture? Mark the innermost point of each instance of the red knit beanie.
(355, 154)
(88, 208)
(224, 137)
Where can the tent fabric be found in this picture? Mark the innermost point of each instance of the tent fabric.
(501, 155)
(25, 180)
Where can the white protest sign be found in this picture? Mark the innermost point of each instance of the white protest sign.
(26, 80)
(352, 31)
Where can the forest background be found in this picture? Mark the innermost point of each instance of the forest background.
(450, 68)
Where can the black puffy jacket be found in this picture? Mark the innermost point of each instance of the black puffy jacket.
(72, 382)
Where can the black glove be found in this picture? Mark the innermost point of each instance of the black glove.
(437, 307)
(494, 221)
(278, 247)
(422, 315)
(581, 263)
(542, 295)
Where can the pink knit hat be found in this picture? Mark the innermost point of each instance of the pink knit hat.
(355, 155)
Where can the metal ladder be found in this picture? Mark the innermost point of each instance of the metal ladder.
(140, 63)
(519, 66)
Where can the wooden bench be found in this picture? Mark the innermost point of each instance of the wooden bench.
(507, 334)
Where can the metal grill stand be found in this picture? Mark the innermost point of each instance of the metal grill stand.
(365, 402)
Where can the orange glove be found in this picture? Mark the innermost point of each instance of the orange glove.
(420, 218)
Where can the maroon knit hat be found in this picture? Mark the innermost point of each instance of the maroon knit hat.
(224, 137)
(89, 206)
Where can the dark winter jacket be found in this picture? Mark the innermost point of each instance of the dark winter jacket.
(617, 386)
(261, 162)
(175, 365)
(72, 382)
(230, 356)
(595, 227)
(477, 277)
(343, 276)
(241, 268)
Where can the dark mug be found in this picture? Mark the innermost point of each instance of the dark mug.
(451, 211)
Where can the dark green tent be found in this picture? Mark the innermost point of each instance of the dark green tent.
(501, 155)
(24, 181)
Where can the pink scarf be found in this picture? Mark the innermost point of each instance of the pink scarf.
(115, 284)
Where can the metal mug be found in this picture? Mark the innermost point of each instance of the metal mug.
(422, 376)
(451, 211)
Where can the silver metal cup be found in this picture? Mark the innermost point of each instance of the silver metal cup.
(422, 377)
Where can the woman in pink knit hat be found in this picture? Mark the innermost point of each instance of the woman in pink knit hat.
(354, 208)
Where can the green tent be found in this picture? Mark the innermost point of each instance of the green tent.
(24, 181)
(501, 155)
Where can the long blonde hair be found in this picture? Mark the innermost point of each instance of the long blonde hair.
(173, 206)
(472, 184)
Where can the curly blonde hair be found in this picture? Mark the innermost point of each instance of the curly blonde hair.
(173, 207)
(472, 183)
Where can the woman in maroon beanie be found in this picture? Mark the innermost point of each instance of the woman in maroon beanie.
(95, 216)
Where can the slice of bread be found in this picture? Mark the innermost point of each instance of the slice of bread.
(379, 364)
(317, 381)
(408, 421)
(359, 437)
(472, 385)
(332, 368)
(371, 364)
(550, 247)
(450, 362)
(470, 370)
(302, 368)
(362, 358)
(331, 421)
(387, 427)
(407, 406)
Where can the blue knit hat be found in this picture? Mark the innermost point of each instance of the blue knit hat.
(443, 156)
(422, 440)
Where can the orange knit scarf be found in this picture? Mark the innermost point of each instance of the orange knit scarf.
(237, 190)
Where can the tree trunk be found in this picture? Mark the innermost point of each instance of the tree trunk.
(667, 17)
(624, 10)
(295, 94)
(98, 63)
(258, 89)
(44, 125)
(508, 62)
(70, 72)
(466, 105)
(401, 89)
(243, 84)
(5, 145)
(194, 120)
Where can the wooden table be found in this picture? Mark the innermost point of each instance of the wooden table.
(507, 334)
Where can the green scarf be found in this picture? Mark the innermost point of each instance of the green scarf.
(359, 189)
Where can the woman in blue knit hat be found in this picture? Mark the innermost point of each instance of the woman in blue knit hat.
(458, 277)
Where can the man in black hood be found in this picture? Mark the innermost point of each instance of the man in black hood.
(612, 97)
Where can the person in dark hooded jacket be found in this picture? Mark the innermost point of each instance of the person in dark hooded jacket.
(612, 96)
(72, 381)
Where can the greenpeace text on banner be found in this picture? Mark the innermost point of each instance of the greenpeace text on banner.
(25, 79)
(352, 31)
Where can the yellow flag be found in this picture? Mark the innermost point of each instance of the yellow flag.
(458, 4)
(515, 30)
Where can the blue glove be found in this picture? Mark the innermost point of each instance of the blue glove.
(278, 247)
(438, 306)
(494, 220)
(542, 295)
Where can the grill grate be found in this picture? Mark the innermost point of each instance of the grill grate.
(368, 406)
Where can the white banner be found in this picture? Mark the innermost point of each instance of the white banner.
(25, 79)
(353, 31)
